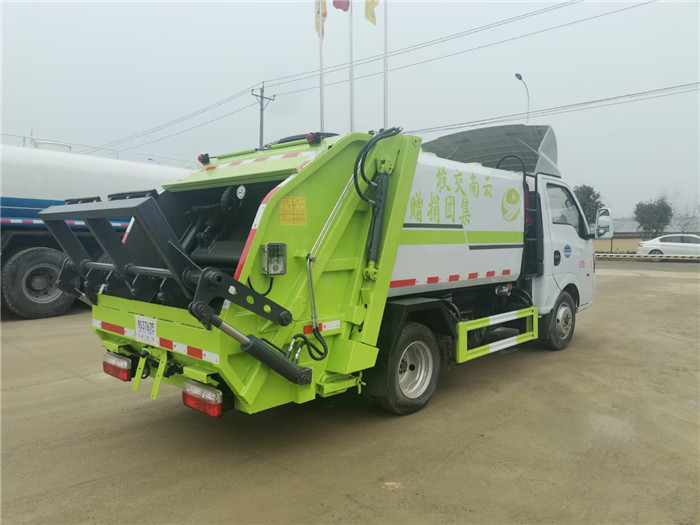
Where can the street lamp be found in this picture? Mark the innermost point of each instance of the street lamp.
(527, 91)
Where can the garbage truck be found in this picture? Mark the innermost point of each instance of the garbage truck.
(35, 178)
(321, 264)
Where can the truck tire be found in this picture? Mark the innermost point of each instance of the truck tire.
(411, 371)
(29, 283)
(558, 325)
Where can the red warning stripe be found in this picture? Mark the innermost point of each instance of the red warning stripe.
(244, 255)
(194, 352)
(290, 155)
(112, 328)
(235, 163)
(453, 278)
(166, 343)
(506, 272)
(490, 273)
(473, 275)
(261, 159)
(402, 282)
(249, 240)
(270, 194)
(433, 280)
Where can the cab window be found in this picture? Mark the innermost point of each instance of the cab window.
(563, 208)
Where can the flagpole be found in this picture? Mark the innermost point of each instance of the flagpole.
(386, 67)
(320, 59)
(352, 75)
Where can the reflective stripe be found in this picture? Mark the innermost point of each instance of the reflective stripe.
(174, 346)
(504, 343)
(452, 278)
(502, 318)
(640, 256)
(310, 154)
(322, 327)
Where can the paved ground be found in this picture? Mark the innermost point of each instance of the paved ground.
(604, 432)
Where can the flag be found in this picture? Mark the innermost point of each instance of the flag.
(343, 5)
(321, 13)
(369, 10)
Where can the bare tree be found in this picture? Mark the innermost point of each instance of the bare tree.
(686, 213)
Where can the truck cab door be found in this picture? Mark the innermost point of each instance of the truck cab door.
(571, 246)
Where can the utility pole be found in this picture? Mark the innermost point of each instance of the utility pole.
(264, 101)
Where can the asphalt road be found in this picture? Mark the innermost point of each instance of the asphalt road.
(606, 431)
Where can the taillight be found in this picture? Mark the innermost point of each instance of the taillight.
(117, 366)
(201, 397)
(640, 244)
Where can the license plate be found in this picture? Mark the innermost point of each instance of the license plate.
(146, 329)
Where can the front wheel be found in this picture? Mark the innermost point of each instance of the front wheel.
(411, 373)
(558, 325)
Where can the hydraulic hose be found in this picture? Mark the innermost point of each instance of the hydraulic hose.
(362, 157)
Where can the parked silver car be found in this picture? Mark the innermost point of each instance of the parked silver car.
(684, 244)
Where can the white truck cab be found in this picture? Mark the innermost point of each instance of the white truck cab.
(558, 258)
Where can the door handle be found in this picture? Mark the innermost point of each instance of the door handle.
(557, 257)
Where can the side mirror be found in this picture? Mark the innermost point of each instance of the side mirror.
(603, 224)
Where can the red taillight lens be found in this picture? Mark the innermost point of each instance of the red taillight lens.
(203, 398)
(117, 366)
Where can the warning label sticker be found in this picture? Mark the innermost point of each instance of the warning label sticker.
(293, 211)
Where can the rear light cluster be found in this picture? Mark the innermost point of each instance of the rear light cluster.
(195, 395)
(641, 244)
(117, 366)
(201, 397)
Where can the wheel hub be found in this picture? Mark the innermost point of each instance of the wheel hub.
(39, 283)
(564, 321)
(415, 369)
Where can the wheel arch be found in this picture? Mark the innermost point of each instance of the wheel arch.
(435, 314)
(572, 290)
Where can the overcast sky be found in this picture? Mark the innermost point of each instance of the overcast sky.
(93, 73)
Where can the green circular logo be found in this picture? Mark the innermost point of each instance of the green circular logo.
(510, 205)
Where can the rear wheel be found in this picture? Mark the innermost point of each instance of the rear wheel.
(29, 283)
(411, 371)
(656, 255)
(559, 324)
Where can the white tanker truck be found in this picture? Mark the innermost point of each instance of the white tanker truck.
(33, 179)
(321, 264)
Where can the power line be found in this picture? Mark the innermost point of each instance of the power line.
(569, 108)
(189, 129)
(332, 69)
(477, 48)
(377, 57)
(335, 68)
(579, 106)
(567, 24)
(176, 121)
